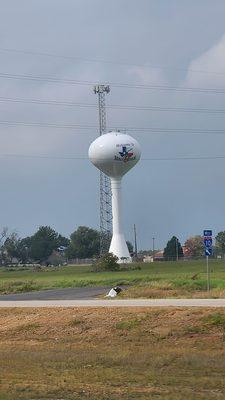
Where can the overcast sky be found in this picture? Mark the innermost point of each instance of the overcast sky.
(177, 44)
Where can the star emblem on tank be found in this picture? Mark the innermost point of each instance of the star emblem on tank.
(126, 154)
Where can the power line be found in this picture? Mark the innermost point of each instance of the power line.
(184, 158)
(86, 158)
(49, 79)
(43, 79)
(114, 106)
(157, 130)
(102, 61)
(46, 102)
(47, 125)
(142, 130)
(170, 109)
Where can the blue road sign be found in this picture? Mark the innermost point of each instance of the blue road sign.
(208, 242)
(208, 251)
(207, 232)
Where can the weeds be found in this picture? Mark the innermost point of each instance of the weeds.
(195, 329)
(18, 286)
(215, 319)
(128, 325)
(32, 326)
(76, 322)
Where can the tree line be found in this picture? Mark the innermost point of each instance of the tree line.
(193, 247)
(48, 245)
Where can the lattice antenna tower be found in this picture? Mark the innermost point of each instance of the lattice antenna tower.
(105, 185)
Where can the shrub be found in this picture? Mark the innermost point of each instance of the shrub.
(108, 262)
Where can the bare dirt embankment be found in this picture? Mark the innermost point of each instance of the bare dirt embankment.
(112, 353)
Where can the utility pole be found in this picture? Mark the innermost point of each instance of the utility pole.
(153, 248)
(177, 254)
(105, 186)
(135, 242)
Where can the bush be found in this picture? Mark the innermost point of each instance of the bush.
(108, 262)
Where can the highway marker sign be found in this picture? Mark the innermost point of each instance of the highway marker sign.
(208, 251)
(207, 233)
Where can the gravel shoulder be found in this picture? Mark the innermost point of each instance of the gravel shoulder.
(116, 303)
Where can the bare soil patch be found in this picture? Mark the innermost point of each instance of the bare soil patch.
(111, 353)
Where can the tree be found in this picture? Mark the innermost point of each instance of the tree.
(43, 242)
(194, 246)
(63, 241)
(84, 243)
(173, 250)
(24, 249)
(11, 246)
(3, 237)
(220, 242)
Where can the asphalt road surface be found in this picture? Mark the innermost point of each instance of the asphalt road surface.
(89, 297)
(117, 303)
(83, 293)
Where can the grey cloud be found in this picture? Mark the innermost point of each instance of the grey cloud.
(162, 197)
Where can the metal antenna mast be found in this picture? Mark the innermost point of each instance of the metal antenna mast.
(105, 186)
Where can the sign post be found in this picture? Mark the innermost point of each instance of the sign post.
(208, 273)
(208, 252)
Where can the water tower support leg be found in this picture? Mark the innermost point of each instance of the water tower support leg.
(118, 244)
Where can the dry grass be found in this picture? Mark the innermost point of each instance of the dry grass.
(159, 290)
(112, 354)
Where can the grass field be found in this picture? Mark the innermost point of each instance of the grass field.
(162, 279)
(112, 354)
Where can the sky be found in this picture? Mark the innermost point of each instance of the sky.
(54, 51)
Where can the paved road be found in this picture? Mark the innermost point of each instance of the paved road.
(83, 293)
(117, 303)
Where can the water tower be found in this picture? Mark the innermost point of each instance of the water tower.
(114, 154)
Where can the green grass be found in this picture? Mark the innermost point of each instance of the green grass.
(30, 327)
(183, 277)
(215, 319)
(128, 325)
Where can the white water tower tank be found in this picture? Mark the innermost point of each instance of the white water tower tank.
(114, 154)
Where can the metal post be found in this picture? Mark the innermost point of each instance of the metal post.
(208, 273)
(135, 242)
(153, 248)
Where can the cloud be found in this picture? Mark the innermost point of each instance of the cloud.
(208, 70)
(146, 75)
